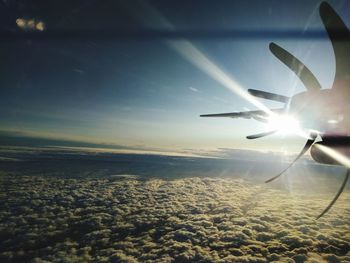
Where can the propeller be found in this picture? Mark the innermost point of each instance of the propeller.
(305, 75)
(306, 147)
(311, 84)
(338, 34)
(341, 189)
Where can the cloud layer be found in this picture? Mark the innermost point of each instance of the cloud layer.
(195, 219)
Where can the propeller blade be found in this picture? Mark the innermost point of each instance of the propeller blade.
(337, 195)
(244, 114)
(260, 118)
(339, 36)
(305, 75)
(268, 95)
(307, 146)
(259, 135)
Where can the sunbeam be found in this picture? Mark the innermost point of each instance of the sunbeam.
(192, 54)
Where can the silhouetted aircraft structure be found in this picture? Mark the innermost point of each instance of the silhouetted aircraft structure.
(324, 113)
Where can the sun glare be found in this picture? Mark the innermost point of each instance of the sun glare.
(284, 124)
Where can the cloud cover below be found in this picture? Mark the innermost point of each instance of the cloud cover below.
(123, 219)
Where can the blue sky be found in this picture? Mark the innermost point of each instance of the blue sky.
(142, 92)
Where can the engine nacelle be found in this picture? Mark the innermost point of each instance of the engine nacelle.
(321, 157)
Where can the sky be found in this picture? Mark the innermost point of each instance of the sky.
(147, 91)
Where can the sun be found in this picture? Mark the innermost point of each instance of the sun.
(284, 124)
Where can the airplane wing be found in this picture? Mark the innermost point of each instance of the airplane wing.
(255, 114)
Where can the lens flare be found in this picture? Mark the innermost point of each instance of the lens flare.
(284, 124)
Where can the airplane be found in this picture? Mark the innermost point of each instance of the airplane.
(324, 113)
